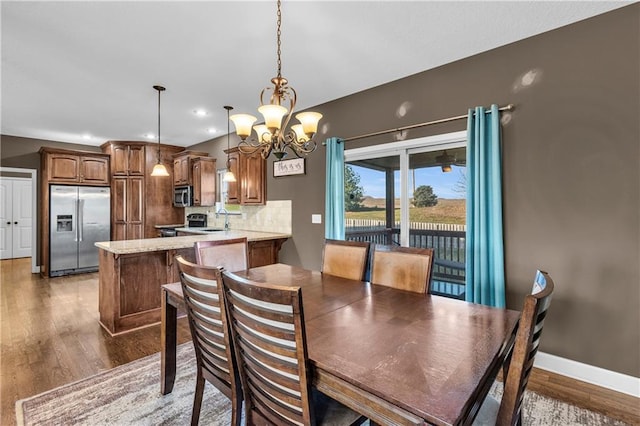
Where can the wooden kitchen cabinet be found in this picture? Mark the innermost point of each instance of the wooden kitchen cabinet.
(197, 170)
(65, 166)
(139, 202)
(183, 168)
(250, 187)
(127, 203)
(204, 181)
(127, 160)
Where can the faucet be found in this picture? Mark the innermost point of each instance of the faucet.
(226, 218)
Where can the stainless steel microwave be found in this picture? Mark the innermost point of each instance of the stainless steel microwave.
(183, 196)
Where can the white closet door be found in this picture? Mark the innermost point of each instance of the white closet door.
(16, 210)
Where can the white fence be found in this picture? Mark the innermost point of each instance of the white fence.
(376, 223)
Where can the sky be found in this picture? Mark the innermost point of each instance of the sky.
(442, 183)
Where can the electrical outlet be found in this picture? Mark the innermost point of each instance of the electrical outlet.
(316, 218)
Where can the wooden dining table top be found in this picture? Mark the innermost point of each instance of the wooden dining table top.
(432, 356)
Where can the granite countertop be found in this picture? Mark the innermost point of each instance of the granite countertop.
(172, 243)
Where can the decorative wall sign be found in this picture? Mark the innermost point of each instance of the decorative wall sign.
(294, 166)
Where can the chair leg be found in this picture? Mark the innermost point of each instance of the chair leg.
(197, 400)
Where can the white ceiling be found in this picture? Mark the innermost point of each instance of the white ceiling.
(71, 69)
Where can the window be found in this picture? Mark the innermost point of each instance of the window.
(412, 193)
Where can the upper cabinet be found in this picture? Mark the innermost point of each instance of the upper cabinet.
(198, 170)
(250, 187)
(127, 159)
(139, 202)
(79, 167)
(183, 167)
(204, 181)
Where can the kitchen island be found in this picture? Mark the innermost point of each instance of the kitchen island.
(132, 271)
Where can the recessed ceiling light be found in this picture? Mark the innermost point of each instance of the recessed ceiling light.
(200, 112)
(149, 136)
(211, 130)
(86, 137)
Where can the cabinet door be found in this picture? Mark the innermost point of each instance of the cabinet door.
(253, 179)
(119, 160)
(135, 198)
(262, 253)
(181, 171)
(63, 168)
(119, 200)
(233, 188)
(134, 231)
(197, 182)
(136, 160)
(94, 170)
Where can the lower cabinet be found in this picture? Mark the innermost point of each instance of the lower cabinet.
(129, 284)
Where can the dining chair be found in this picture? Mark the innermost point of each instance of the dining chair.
(210, 334)
(404, 268)
(267, 327)
(508, 411)
(231, 254)
(346, 259)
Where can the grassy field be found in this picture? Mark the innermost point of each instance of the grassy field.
(446, 211)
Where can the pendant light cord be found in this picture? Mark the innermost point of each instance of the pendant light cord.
(228, 108)
(159, 89)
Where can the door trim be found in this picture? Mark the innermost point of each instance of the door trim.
(35, 268)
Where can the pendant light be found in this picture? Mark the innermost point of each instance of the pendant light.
(228, 176)
(159, 169)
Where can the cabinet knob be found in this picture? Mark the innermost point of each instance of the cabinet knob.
(15, 223)
(8, 223)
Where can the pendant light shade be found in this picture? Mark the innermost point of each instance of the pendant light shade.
(159, 169)
(228, 175)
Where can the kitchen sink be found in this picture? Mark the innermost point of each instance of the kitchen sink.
(211, 229)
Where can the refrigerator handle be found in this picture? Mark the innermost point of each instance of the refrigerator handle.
(80, 220)
(75, 222)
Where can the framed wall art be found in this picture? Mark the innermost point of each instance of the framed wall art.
(295, 166)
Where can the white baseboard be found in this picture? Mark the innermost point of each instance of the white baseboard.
(588, 373)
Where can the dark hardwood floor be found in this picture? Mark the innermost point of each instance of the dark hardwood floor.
(50, 336)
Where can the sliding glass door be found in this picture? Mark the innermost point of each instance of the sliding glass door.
(412, 193)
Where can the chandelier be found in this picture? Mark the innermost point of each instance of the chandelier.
(273, 136)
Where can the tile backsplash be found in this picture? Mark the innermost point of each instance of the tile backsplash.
(275, 216)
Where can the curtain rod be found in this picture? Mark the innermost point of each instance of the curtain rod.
(509, 107)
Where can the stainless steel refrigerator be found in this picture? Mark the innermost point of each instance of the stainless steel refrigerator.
(80, 216)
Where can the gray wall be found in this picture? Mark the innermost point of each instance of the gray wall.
(571, 172)
(571, 180)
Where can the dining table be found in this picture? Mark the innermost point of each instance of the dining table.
(396, 357)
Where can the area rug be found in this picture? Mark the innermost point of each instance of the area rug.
(130, 395)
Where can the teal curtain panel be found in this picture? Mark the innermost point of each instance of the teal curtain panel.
(334, 194)
(485, 244)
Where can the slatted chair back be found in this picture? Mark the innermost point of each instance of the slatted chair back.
(346, 259)
(404, 268)
(525, 348)
(201, 286)
(269, 337)
(232, 254)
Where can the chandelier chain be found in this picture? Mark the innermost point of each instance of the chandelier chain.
(278, 40)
